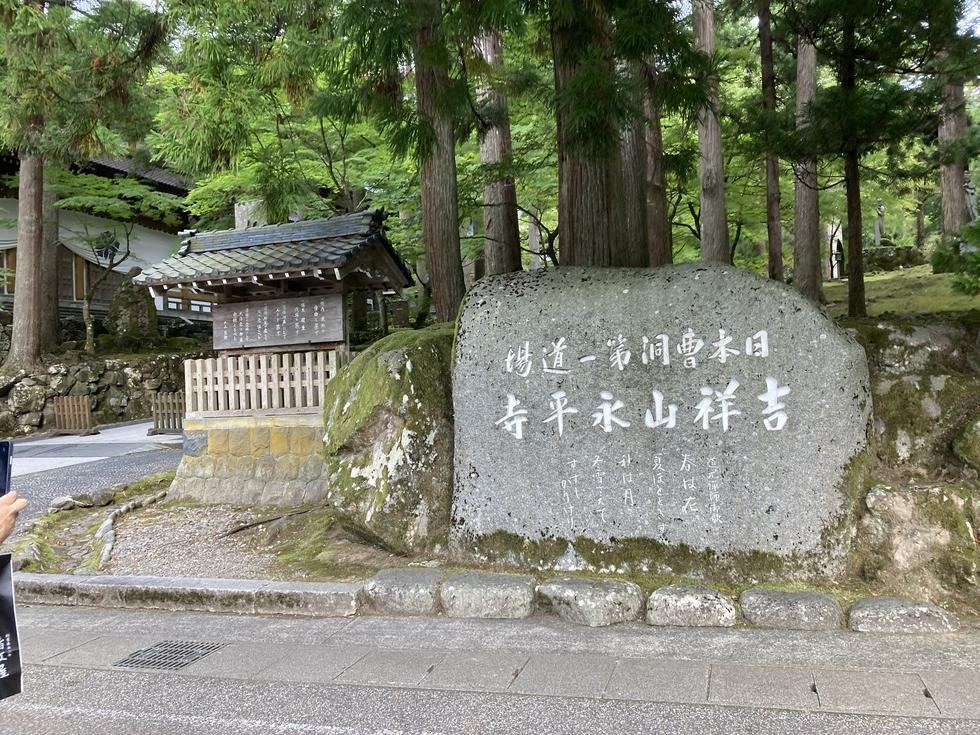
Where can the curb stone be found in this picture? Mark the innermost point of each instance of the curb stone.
(488, 595)
(347, 599)
(410, 591)
(591, 602)
(790, 610)
(899, 615)
(240, 596)
(690, 606)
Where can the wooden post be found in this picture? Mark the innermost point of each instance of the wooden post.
(382, 312)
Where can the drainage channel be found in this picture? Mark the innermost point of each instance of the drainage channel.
(168, 655)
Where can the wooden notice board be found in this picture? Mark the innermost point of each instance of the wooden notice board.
(279, 322)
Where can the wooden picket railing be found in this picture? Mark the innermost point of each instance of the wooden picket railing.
(73, 415)
(168, 413)
(283, 382)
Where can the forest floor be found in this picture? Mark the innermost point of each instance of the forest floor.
(915, 290)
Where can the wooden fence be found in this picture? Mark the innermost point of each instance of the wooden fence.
(284, 382)
(73, 415)
(168, 413)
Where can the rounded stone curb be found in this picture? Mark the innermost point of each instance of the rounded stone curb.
(592, 602)
(488, 595)
(690, 606)
(899, 615)
(790, 610)
(106, 533)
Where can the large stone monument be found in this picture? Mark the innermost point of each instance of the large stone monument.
(694, 410)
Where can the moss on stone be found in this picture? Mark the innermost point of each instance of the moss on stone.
(509, 550)
(323, 544)
(149, 485)
(967, 444)
(389, 438)
(639, 559)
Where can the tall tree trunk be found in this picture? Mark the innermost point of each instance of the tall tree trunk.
(806, 229)
(714, 218)
(89, 322)
(774, 227)
(855, 252)
(437, 174)
(25, 340)
(502, 245)
(952, 127)
(631, 249)
(920, 220)
(584, 199)
(50, 321)
(852, 182)
(659, 234)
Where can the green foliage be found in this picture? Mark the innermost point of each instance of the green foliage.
(122, 198)
(309, 106)
(67, 76)
(967, 278)
(944, 258)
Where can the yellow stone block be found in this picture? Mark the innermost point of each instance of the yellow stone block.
(239, 442)
(305, 442)
(278, 441)
(218, 441)
(259, 440)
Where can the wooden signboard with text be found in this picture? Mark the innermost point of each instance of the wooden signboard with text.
(279, 322)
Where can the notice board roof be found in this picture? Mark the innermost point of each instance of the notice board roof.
(315, 249)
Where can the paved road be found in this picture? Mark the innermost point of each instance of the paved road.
(44, 469)
(378, 675)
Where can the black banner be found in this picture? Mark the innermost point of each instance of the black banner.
(6, 465)
(10, 668)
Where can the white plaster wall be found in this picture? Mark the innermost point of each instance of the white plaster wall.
(148, 246)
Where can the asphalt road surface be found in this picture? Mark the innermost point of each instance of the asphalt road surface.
(47, 468)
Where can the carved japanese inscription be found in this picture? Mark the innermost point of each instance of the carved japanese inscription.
(693, 405)
(279, 322)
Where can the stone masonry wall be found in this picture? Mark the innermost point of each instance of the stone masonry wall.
(268, 460)
(119, 390)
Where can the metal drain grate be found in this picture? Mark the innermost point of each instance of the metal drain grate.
(169, 655)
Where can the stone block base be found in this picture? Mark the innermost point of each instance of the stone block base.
(254, 460)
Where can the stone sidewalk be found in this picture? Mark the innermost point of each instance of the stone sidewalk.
(825, 672)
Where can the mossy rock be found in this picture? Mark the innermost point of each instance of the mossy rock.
(132, 313)
(918, 417)
(921, 541)
(388, 444)
(967, 446)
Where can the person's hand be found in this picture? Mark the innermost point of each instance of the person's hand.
(10, 507)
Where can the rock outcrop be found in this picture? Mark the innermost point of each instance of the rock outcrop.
(388, 441)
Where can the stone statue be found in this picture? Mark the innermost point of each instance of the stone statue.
(970, 190)
(880, 223)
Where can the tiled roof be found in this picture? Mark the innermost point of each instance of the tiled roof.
(314, 244)
(155, 174)
(356, 225)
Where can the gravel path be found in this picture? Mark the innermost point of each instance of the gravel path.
(41, 488)
(183, 542)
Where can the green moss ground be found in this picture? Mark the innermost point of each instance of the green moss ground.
(914, 290)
